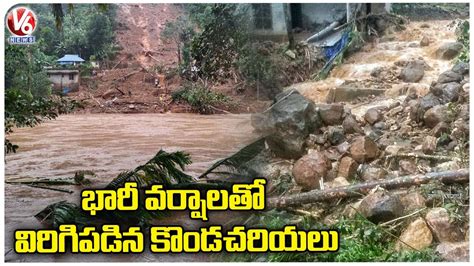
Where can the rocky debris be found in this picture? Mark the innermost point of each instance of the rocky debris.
(461, 68)
(381, 206)
(336, 135)
(447, 92)
(331, 114)
(454, 252)
(407, 167)
(291, 119)
(447, 166)
(373, 115)
(363, 149)
(439, 222)
(310, 170)
(372, 173)
(450, 76)
(436, 115)
(425, 41)
(413, 72)
(449, 50)
(429, 145)
(347, 167)
(413, 201)
(417, 235)
(338, 182)
(351, 126)
(440, 129)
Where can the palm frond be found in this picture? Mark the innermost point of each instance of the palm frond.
(166, 168)
(58, 13)
(234, 164)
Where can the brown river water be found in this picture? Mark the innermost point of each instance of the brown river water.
(108, 144)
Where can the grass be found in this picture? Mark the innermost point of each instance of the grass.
(201, 99)
(361, 241)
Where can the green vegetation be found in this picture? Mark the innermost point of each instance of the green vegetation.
(200, 98)
(462, 32)
(360, 241)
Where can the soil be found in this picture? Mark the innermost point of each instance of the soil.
(127, 85)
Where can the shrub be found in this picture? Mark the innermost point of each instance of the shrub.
(200, 98)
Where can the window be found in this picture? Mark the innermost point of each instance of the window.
(262, 15)
(71, 76)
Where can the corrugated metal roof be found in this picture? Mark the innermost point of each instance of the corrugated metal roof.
(70, 58)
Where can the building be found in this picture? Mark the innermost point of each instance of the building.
(70, 59)
(269, 19)
(66, 78)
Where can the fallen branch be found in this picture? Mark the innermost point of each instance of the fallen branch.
(219, 110)
(54, 189)
(456, 176)
(420, 156)
(117, 63)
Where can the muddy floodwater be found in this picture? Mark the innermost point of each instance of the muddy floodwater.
(108, 144)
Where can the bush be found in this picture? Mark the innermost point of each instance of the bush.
(200, 98)
(462, 32)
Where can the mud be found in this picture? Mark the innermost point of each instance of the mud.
(108, 144)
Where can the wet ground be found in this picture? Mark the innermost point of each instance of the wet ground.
(108, 144)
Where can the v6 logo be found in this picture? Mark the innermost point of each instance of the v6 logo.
(21, 21)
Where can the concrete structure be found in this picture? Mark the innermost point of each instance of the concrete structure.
(269, 19)
(64, 80)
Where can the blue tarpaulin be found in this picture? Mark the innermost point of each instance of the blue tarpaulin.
(331, 52)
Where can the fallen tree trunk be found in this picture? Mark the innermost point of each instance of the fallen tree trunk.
(456, 176)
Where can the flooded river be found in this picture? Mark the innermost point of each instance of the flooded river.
(108, 144)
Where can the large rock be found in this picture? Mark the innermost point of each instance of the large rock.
(380, 207)
(363, 149)
(429, 145)
(413, 201)
(351, 126)
(439, 222)
(425, 41)
(417, 235)
(336, 135)
(447, 92)
(449, 76)
(418, 108)
(461, 68)
(372, 173)
(373, 115)
(413, 72)
(435, 115)
(331, 114)
(347, 167)
(455, 252)
(449, 50)
(310, 169)
(287, 124)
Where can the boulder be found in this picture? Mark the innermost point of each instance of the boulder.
(429, 145)
(447, 92)
(347, 167)
(439, 222)
(338, 182)
(449, 50)
(371, 173)
(407, 167)
(351, 126)
(336, 135)
(380, 207)
(425, 41)
(461, 68)
(287, 124)
(440, 129)
(417, 235)
(413, 201)
(310, 169)
(331, 114)
(418, 108)
(363, 149)
(413, 72)
(454, 252)
(449, 76)
(373, 115)
(435, 115)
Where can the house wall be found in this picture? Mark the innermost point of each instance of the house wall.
(61, 80)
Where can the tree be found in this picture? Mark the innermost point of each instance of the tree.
(289, 30)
